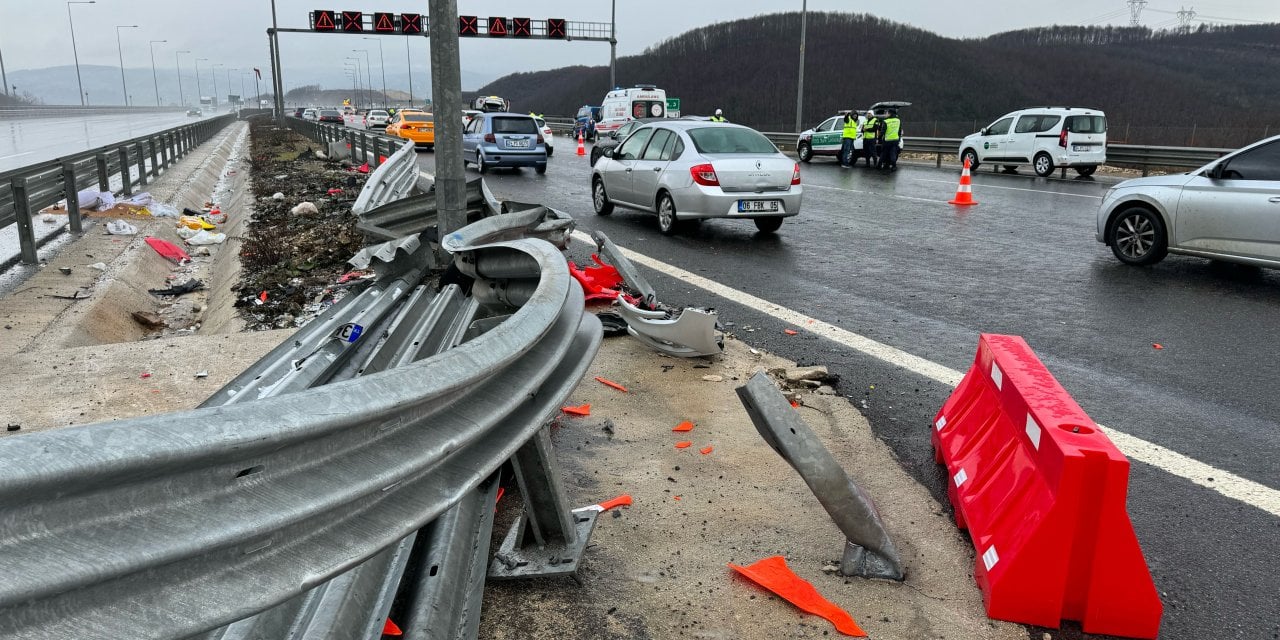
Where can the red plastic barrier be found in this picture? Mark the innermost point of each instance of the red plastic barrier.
(1042, 492)
(599, 282)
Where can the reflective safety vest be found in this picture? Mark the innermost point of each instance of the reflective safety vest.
(850, 127)
(870, 127)
(892, 129)
(719, 119)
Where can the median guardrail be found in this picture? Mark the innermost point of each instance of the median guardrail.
(62, 111)
(122, 165)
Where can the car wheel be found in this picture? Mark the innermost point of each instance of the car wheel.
(666, 214)
(541, 169)
(1087, 171)
(1043, 165)
(480, 163)
(768, 225)
(1138, 237)
(600, 198)
(550, 150)
(805, 152)
(595, 155)
(972, 157)
(1010, 168)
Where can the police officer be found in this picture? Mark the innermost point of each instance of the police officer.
(891, 137)
(848, 141)
(870, 138)
(719, 117)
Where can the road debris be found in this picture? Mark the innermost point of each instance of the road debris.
(580, 410)
(149, 319)
(683, 427)
(610, 383)
(773, 574)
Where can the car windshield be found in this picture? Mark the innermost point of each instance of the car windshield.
(730, 140)
(330, 112)
(418, 117)
(514, 125)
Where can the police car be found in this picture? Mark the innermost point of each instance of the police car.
(827, 138)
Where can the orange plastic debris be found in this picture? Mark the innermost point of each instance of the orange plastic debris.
(623, 500)
(675, 497)
(1157, 346)
(706, 450)
(583, 410)
(773, 574)
(390, 629)
(790, 332)
(610, 383)
(684, 445)
(501, 492)
(683, 426)
(795, 405)
(263, 296)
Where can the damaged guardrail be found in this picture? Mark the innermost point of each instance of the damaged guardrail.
(868, 550)
(360, 453)
(27, 190)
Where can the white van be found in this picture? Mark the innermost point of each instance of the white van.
(1044, 137)
(622, 105)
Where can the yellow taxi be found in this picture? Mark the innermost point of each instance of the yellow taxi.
(418, 126)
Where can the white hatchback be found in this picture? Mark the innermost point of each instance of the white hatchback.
(1045, 138)
(376, 118)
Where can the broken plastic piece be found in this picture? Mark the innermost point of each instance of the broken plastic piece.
(262, 297)
(184, 288)
(610, 383)
(773, 574)
(689, 334)
(684, 445)
(705, 450)
(581, 410)
(790, 332)
(1157, 346)
(390, 629)
(623, 500)
(683, 426)
(169, 250)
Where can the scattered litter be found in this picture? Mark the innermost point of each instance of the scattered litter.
(186, 232)
(119, 227)
(195, 223)
(712, 378)
(204, 237)
(305, 208)
(262, 297)
(623, 500)
(773, 574)
(613, 324)
(48, 219)
(13, 427)
(80, 294)
(92, 198)
(1157, 346)
(184, 288)
(790, 332)
(610, 383)
(66, 271)
(683, 427)
(334, 191)
(148, 319)
(608, 427)
(162, 210)
(355, 275)
(201, 251)
(145, 374)
(706, 450)
(390, 628)
(685, 444)
(796, 405)
(277, 196)
(580, 410)
(169, 250)
(364, 168)
(217, 216)
(754, 352)
(801, 374)
(202, 374)
(139, 199)
(100, 266)
(675, 497)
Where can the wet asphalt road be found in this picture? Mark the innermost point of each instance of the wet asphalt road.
(884, 256)
(26, 141)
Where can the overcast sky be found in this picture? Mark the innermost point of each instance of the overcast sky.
(35, 33)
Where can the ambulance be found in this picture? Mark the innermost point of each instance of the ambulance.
(622, 105)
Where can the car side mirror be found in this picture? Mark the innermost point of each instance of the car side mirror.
(983, 131)
(1218, 170)
(613, 134)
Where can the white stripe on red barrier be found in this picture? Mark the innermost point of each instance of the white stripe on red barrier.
(1033, 431)
(990, 557)
(960, 477)
(997, 376)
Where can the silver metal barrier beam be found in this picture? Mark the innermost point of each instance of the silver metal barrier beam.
(392, 180)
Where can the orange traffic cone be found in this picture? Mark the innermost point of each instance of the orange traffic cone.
(964, 193)
(582, 151)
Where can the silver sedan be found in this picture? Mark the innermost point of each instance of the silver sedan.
(1227, 210)
(690, 170)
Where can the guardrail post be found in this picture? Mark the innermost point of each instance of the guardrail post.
(166, 148)
(547, 539)
(377, 153)
(351, 143)
(73, 196)
(22, 215)
(104, 178)
(939, 163)
(142, 165)
(125, 173)
(151, 146)
(364, 146)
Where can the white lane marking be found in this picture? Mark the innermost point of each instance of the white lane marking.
(17, 155)
(874, 193)
(982, 185)
(1225, 483)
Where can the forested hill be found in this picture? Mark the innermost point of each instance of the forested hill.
(1224, 76)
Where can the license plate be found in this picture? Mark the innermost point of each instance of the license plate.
(517, 144)
(1081, 147)
(752, 206)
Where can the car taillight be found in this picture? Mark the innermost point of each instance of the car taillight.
(705, 175)
(795, 175)
(489, 137)
(1062, 138)
(540, 140)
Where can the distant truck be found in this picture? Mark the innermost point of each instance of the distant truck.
(491, 103)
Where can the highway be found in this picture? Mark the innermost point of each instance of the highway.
(27, 141)
(883, 257)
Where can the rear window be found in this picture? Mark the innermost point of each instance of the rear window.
(1087, 124)
(730, 140)
(378, 113)
(514, 125)
(331, 113)
(648, 108)
(418, 117)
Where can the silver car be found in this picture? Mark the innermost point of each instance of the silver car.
(1227, 210)
(689, 170)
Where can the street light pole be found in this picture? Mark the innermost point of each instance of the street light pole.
(182, 98)
(804, 19)
(154, 79)
(356, 69)
(199, 86)
(613, 45)
(228, 76)
(446, 98)
(213, 71)
(408, 58)
(4, 79)
(124, 86)
(368, 76)
(73, 45)
(382, 64)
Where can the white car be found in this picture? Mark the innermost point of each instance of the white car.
(547, 139)
(311, 114)
(1045, 138)
(377, 118)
